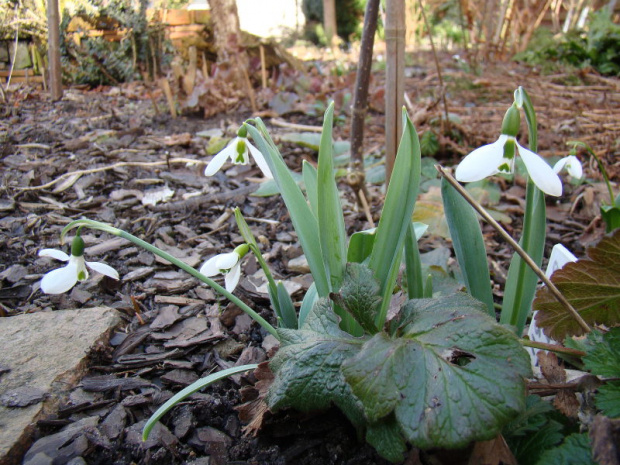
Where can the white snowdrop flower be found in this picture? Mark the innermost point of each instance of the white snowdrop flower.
(228, 264)
(572, 165)
(499, 157)
(63, 279)
(239, 151)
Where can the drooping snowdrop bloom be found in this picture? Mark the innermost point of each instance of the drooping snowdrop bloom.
(572, 165)
(239, 151)
(228, 264)
(63, 279)
(499, 157)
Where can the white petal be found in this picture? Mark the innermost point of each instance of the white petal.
(541, 173)
(80, 267)
(260, 161)
(54, 253)
(572, 165)
(482, 162)
(60, 280)
(560, 164)
(210, 267)
(226, 261)
(103, 269)
(232, 277)
(217, 161)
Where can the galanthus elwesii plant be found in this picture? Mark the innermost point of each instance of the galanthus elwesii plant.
(438, 372)
(541, 178)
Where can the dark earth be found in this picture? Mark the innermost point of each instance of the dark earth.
(176, 330)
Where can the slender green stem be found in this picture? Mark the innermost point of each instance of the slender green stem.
(526, 258)
(175, 261)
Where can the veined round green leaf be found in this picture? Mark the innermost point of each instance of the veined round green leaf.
(450, 375)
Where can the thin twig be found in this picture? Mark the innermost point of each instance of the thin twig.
(552, 347)
(522, 253)
(365, 206)
(107, 168)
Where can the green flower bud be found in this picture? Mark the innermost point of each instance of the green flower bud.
(242, 250)
(512, 121)
(77, 246)
(242, 132)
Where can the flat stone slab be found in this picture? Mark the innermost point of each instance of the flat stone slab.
(42, 356)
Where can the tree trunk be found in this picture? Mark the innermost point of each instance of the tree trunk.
(229, 46)
(329, 22)
(360, 101)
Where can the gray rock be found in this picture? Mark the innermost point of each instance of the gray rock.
(299, 265)
(61, 447)
(44, 351)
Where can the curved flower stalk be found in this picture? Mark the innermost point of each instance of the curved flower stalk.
(228, 264)
(175, 261)
(239, 151)
(499, 157)
(63, 279)
(571, 164)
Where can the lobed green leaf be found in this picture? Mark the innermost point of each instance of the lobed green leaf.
(451, 376)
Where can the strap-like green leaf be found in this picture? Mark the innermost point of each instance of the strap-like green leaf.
(413, 265)
(287, 309)
(521, 281)
(188, 391)
(396, 216)
(468, 244)
(310, 182)
(303, 219)
(331, 220)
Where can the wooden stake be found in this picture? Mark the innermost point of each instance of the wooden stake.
(53, 49)
(394, 80)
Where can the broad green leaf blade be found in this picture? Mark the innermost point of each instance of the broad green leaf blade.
(331, 220)
(303, 219)
(188, 391)
(575, 450)
(521, 281)
(396, 216)
(386, 438)
(360, 245)
(468, 245)
(591, 285)
(307, 365)
(450, 374)
(359, 295)
(287, 309)
(310, 182)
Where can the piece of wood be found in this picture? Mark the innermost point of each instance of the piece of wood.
(394, 80)
(53, 49)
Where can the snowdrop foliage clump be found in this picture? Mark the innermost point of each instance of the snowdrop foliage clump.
(63, 279)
